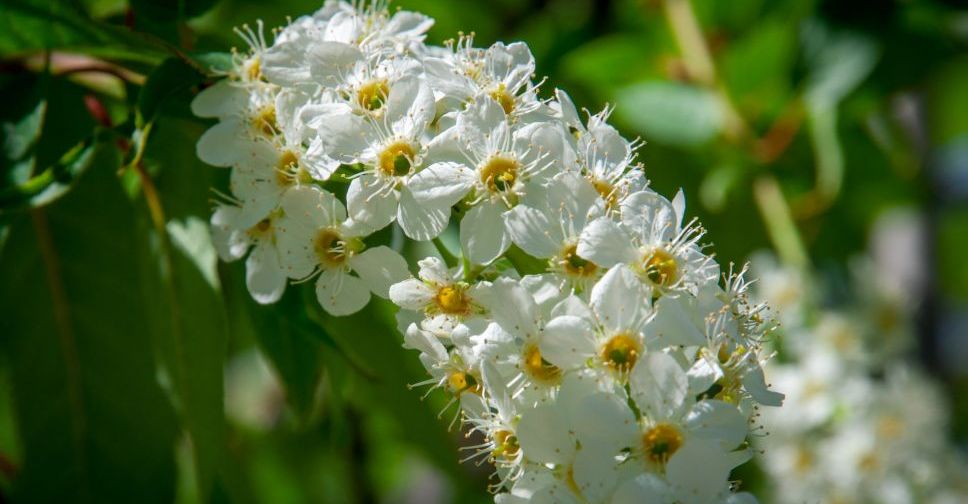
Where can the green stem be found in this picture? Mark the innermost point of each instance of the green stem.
(449, 259)
(779, 221)
(523, 263)
(699, 63)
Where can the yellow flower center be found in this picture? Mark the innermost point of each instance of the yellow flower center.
(451, 299)
(570, 480)
(373, 94)
(505, 445)
(537, 368)
(264, 120)
(397, 159)
(499, 173)
(606, 190)
(868, 463)
(253, 69)
(621, 352)
(661, 267)
(262, 229)
(503, 98)
(289, 171)
(330, 248)
(459, 382)
(574, 264)
(661, 442)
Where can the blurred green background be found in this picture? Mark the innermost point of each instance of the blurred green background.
(133, 368)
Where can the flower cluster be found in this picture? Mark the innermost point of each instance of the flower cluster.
(584, 330)
(859, 424)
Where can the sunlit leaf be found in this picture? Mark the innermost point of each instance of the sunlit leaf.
(837, 62)
(672, 113)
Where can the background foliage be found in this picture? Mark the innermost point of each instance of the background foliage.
(128, 364)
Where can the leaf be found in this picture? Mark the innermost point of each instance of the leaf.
(281, 332)
(28, 26)
(756, 67)
(188, 319)
(837, 62)
(214, 61)
(188, 322)
(94, 424)
(371, 337)
(170, 10)
(38, 134)
(54, 181)
(172, 77)
(671, 113)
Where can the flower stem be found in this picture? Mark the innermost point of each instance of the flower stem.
(699, 63)
(445, 254)
(779, 221)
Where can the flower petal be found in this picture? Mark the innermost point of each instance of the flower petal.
(717, 421)
(544, 437)
(330, 61)
(219, 145)
(411, 294)
(441, 184)
(532, 230)
(605, 243)
(264, 275)
(221, 99)
(513, 308)
(659, 385)
(619, 300)
(340, 293)
(421, 222)
(699, 472)
(370, 201)
(433, 270)
(379, 268)
(568, 342)
(483, 234)
(673, 323)
(230, 242)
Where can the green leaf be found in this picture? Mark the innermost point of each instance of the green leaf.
(837, 62)
(28, 26)
(172, 78)
(54, 181)
(170, 10)
(372, 338)
(214, 61)
(756, 67)
(671, 113)
(281, 331)
(189, 318)
(39, 163)
(94, 424)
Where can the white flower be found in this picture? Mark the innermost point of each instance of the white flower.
(455, 370)
(264, 273)
(440, 294)
(599, 357)
(568, 434)
(653, 242)
(495, 162)
(316, 238)
(608, 336)
(391, 148)
(548, 222)
(501, 72)
(605, 158)
(695, 441)
(515, 338)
